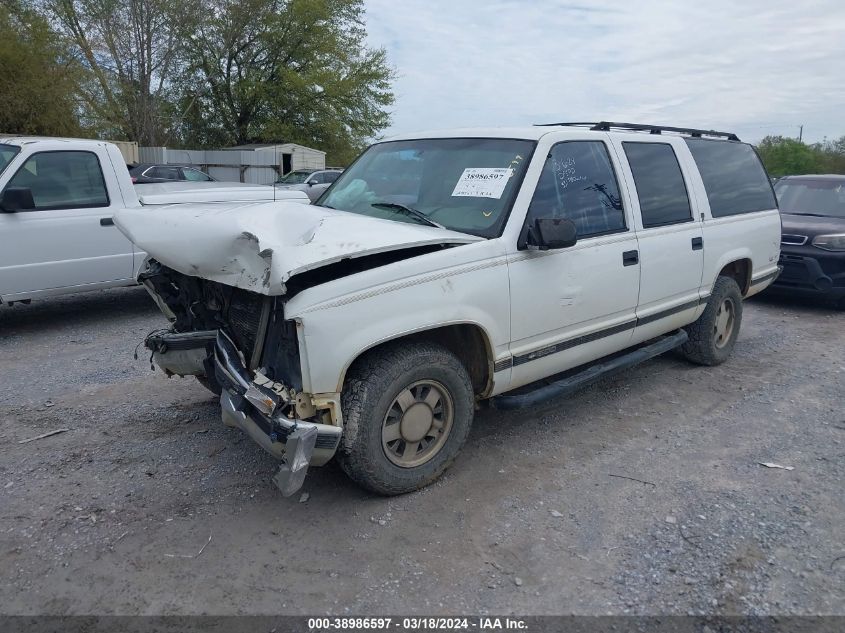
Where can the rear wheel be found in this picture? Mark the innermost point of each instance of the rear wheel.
(407, 411)
(713, 336)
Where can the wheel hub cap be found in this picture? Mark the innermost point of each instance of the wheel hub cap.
(723, 328)
(417, 423)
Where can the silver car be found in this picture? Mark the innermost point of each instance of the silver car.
(312, 182)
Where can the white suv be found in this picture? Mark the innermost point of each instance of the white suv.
(451, 268)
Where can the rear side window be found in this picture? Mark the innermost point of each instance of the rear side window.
(195, 175)
(578, 183)
(660, 184)
(733, 177)
(63, 180)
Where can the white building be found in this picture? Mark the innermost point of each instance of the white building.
(289, 156)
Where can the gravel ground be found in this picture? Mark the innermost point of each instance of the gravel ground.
(642, 494)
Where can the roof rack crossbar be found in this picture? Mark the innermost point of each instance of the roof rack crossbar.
(606, 126)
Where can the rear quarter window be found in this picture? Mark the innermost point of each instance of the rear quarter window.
(734, 177)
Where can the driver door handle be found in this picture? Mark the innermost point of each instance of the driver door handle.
(106, 221)
(630, 258)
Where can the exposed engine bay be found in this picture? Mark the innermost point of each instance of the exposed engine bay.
(198, 308)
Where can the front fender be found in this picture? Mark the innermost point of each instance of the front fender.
(334, 332)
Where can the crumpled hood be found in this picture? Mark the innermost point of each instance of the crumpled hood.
(259, 246)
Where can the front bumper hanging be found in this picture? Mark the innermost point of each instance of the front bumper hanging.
(297, 442)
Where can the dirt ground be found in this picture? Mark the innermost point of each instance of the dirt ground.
(642, 494)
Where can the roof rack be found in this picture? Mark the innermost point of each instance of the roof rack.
(606, 126)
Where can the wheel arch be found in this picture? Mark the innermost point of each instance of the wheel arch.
(469, 341)
(739, 268)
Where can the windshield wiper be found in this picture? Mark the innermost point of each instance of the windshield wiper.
(413, 213)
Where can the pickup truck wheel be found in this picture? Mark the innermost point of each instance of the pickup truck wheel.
(713, 336)
(407, 411)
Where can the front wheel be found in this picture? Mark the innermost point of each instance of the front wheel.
(407, 411)
(713, 336)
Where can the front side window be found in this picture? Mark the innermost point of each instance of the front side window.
(659, 182)
(733, 176)
(63, 180)
(7, 153)
(165, 173)
(330, 176)
(463, 184)
(578, 183)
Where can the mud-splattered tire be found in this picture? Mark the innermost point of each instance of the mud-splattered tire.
(391, 395)
(713, 336)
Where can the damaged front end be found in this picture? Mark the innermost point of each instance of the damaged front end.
(239, 344)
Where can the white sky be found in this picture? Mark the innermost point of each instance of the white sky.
(754, 67)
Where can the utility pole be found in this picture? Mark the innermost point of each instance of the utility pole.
(800, 132)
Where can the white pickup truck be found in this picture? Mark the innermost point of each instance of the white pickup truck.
(447, 269)
(57, 199)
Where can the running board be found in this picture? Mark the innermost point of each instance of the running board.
(569, 384)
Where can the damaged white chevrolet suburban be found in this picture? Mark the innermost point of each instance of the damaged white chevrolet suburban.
(57, 199)
(443, 270)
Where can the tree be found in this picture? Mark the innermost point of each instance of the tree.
(38, 76)
(832, 160)
(784, 156)
(286, 70)
(132, 50)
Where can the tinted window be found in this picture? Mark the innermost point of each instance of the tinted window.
(659, 182)
(168, 173)
(733, 177)
(63, 180)
(578, 183)
(331, 176)
(318, 178)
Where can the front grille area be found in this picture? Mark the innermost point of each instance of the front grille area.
(793, 240)
(244, 320)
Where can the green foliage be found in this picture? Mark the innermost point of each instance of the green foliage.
(38, 76)
(787, 156)
(286, 70)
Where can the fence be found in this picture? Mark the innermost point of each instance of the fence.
(258, 167)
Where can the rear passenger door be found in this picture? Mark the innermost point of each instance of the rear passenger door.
(669, 233)
(69, 238)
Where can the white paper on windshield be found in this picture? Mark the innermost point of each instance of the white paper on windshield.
(483, 182)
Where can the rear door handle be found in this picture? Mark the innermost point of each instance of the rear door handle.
(106, 221)
(630, 258)
(697, 243)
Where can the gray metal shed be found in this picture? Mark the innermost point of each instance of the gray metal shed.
(288, 156)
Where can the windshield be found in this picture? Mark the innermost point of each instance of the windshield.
(464, 184)
(294, 178)
(815, 197)
(7, 153)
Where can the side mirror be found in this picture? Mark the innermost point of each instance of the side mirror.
(553, 233)
(311, 183)
(17, 199)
